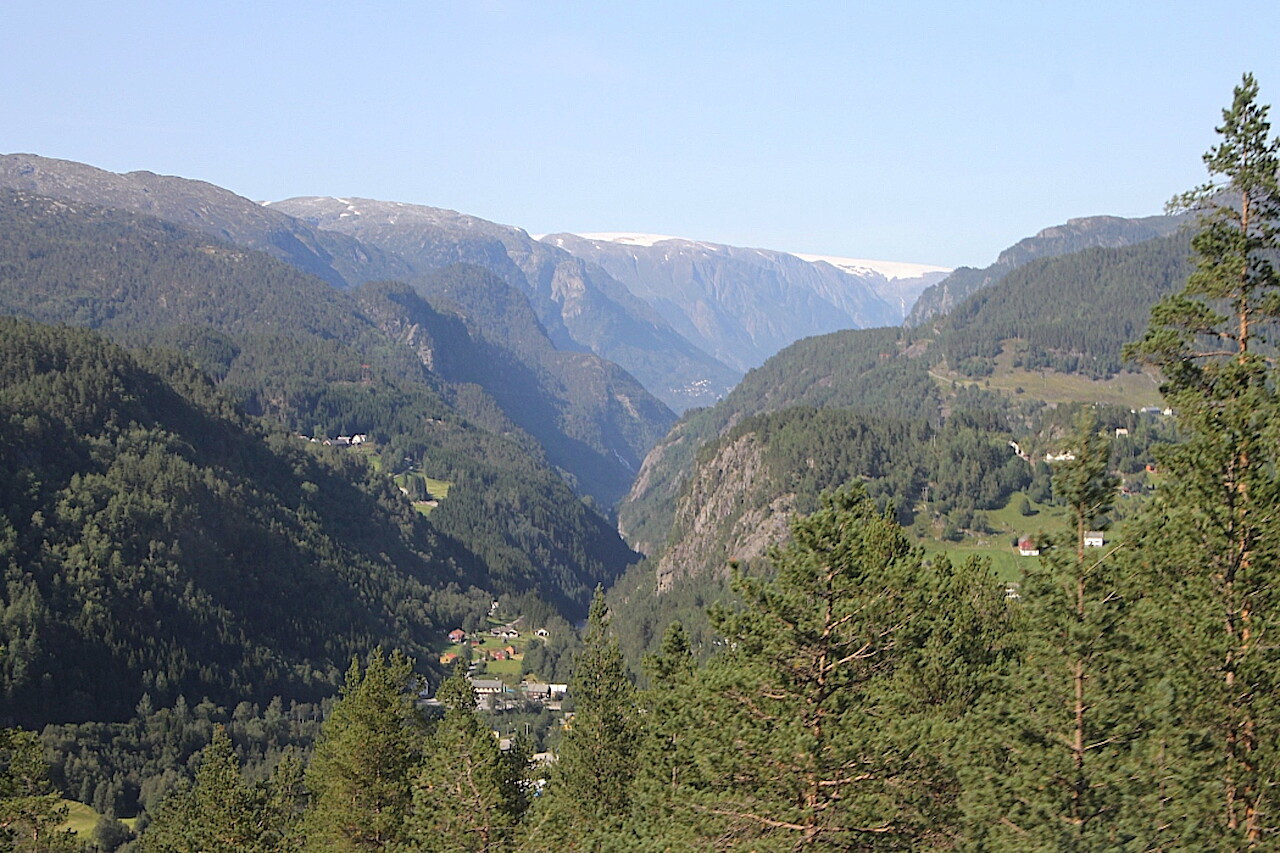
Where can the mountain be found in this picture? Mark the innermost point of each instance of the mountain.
(205, 208)
(288, 347)
(1051, 330)
(743, 305)
(594, 421)
(157, 540)
(601, 466)
(1083, 233)
(580, 306)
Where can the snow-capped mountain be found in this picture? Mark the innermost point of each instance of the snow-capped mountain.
(742, 305)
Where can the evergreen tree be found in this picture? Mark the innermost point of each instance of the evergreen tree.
(468, 794)
(589, 793)
(30, 811)
(821, 724)
(221, 811)
(1067, 716)
(654, 823)
(360, 775)
(1215, 564)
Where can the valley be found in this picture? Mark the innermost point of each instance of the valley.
(301, 484)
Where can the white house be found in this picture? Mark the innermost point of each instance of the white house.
(1094, 539)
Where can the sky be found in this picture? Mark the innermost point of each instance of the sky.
(928, 132)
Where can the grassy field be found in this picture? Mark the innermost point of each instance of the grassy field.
(1005, 523)
(438, 489)
(1131, 390)
(81, 819)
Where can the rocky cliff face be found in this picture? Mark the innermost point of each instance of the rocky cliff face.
(716, 521)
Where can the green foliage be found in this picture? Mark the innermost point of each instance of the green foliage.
(1216, 572)
(289, 347)
(221, 811)
(816, 727)
(1072, 314)
(1069, 713)
(125, 768)
(589, 793)
(30, 811)
(468, 795)
(159, 541)
(361, 773)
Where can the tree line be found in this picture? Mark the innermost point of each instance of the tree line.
(865, 698)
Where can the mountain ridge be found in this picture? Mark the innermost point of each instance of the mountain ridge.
(1074, 235)
(744, 304)
(581, 306)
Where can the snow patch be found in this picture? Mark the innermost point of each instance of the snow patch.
(629, 238)
(860, 267)
(888, 269)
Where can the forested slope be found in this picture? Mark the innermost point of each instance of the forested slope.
(289, 347)
(1111, 232)
(157, 540)
(1071, 314)
(141, 278)
(903, 411)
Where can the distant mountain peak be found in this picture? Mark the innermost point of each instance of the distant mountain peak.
(630, 238)
(856, 266)
(863, 266)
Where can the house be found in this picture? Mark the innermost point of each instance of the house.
(1064, 456)
(1093, 539)
(510, 650)
(457, 635)
(489, 692)
(1121, 431)
(536, 692)
(543, 632)
(498, 654)
(1027, 547)
(487, 686)
(448, 658)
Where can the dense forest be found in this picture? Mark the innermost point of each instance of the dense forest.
(290, 348)
(1070, 314)
(156, 540)
(852, 693)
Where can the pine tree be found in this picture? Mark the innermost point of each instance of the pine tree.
(220, 811)
(1067, 716)
(1215, 569)
(30, 811)
(821, 725)
(588, 797)
(360, 775)
(468, 794)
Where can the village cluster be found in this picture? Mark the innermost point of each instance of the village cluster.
(499, 644)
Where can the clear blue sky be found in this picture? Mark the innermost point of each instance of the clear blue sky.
(936, 132)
